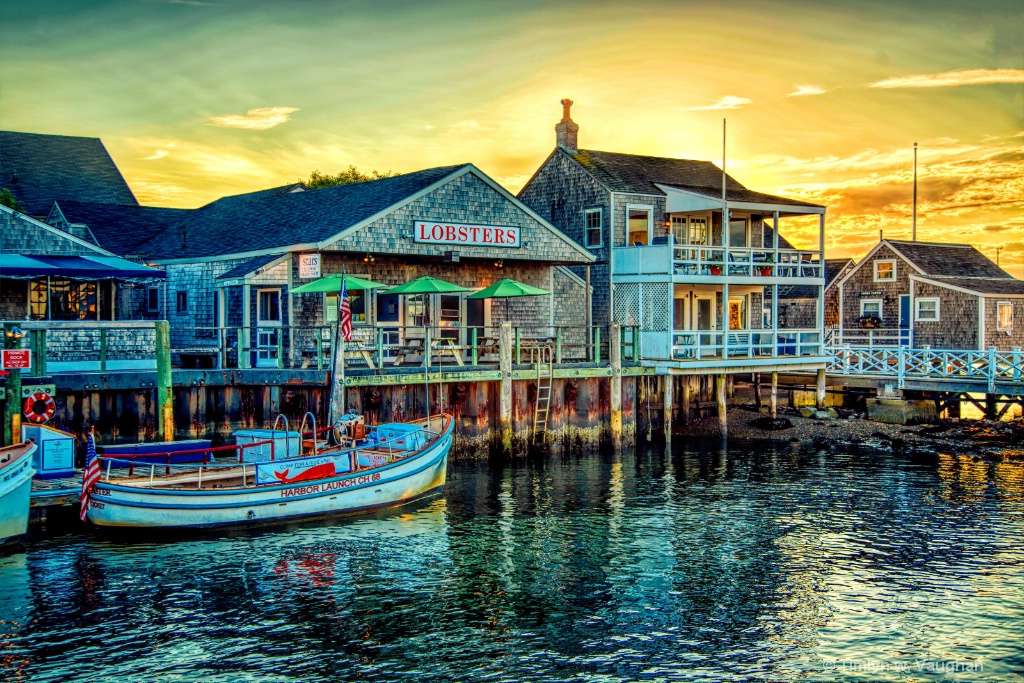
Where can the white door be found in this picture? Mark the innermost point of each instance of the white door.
(268, 327)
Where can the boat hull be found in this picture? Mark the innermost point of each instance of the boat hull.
(399, 483)
(15, 487)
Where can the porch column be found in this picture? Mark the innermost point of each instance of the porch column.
(775, 396)
(821, 289)
(505, 396)
(687, 381)
(723, 417)
(668, 401)
(164, 386)
(819, 394)
(725, 319)
(244, 336)
(615, 391)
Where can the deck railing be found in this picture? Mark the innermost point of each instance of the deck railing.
(705, 344)
(901, 362)
(880, 336)
(87, 346)
(712, 260)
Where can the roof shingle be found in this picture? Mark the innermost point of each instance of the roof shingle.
(40, 169)
(124, 230)
(950, 260)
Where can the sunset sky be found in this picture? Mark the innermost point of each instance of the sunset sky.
(197, 99)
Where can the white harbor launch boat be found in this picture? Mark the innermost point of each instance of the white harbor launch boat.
(389, 465)
(15, 485)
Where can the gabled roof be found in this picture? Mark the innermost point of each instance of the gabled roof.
(40, 169)
(246, 267)
(952, 260)
(274, 220)
(639, 174)
(121, 229)
(979, 285)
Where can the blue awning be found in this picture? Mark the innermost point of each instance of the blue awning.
(82, 267)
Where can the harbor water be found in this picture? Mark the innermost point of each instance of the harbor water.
(699, 564)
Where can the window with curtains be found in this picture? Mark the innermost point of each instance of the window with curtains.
(63, 300)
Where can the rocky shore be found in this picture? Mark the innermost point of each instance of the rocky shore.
(983, 439)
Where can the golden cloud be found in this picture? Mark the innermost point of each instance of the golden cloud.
(727, 102)
(956, 77)
(263, 118)
(805, 90)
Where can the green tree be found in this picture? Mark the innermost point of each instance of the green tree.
(8, 199)
(352, 175)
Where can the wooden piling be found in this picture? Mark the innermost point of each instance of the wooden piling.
(687, 390)
(505, 345)
(757, 391)
(164, 387)
(723, 415)
(668, 401)
(775, 395)
(615, 392)
(819, 394)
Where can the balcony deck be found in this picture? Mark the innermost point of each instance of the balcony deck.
(716, 264)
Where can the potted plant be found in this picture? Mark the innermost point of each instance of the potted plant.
(870, 321)
(764, 268)
(715, 270)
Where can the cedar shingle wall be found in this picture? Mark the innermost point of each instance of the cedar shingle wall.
(957, 327)
(1002, 340)
(863, 281)
(13, 299)
(796, 314)
(560, 191)
(19, 235)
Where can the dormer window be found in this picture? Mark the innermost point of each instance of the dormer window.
(885, 270)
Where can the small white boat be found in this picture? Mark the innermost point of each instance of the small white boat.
(15, 486)
(384, 469)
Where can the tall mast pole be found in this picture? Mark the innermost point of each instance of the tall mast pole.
(914, 218)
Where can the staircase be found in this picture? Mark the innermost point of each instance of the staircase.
(541, 408)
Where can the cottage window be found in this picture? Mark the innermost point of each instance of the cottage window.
(738, 319)
(885, 270)
(926, 310)
(59, 299)
(269, 306)
(153, 299)
(1004, 316)
(639, 228)
(181, 300)
(871, 307)
(737, 232)
(679, 229)
(594, 233)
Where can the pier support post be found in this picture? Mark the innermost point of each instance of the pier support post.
(775, 395)
(164, 387)
(723, 415)
(819, 390)
(991, 407)
(687, 388)
(757, 391)
(668, 401)
(615, 392)
(505, 397)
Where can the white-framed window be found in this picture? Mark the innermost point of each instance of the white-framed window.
(593, 228)
(639, 225)
(871, 307)
(739, 231)
(885, 270)
(181, 301)
(679, 235)
(268, 307)
(926, 309)
(1004, 316)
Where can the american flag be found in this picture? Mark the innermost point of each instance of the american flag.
(344, 312)
(90, 476)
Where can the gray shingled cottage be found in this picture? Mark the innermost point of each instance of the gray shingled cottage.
(231, 266)
(665, 264)
(947, 296)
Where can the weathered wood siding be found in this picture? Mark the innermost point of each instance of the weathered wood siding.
(957, 326)
(862, 280)
(561, 191)
(1002, 340)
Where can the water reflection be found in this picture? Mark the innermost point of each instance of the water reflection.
(686, 564)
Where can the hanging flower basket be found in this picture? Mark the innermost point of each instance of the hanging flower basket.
(869, 322)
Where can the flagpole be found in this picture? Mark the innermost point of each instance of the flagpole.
(338, 365)
(913, 235)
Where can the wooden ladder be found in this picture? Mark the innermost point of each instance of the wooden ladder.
(542, 406)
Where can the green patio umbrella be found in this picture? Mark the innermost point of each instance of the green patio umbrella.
(427, 285)
(332, 284)
(508, 288)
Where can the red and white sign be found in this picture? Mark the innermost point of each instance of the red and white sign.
(16, 359)
(461, 234)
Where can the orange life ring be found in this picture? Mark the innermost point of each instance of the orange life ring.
(39, 407)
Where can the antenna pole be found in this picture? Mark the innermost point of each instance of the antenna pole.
(914, 218)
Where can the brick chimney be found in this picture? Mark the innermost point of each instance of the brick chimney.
(566, 129)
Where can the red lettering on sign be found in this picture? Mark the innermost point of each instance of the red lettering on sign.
(449, 233)
(511, 235)
(16, 359)
(437, 233)
(463, 233)
(499, 236)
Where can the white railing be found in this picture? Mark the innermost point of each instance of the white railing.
(704, 344)
(705, 260)
(881, 336)
(901, 362)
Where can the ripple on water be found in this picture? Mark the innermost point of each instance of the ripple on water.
(751, 564)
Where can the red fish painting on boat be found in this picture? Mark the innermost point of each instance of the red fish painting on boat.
(316, 472)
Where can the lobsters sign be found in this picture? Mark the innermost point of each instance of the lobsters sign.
(462, 234)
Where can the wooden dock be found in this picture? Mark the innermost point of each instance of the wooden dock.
(63, 492)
